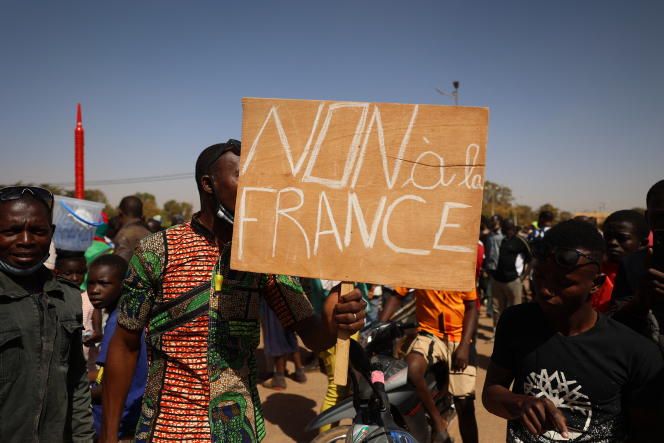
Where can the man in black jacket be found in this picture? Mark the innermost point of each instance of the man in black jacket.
(43, 380)
(507, 281)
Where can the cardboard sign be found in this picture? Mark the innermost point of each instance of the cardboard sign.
(367, 192)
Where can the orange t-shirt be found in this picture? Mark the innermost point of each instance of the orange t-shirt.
(440, 312)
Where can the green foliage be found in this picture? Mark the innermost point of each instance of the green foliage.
(150, 208)
(498, 200)
(95, 195)
(523, 214)
(170, 208)
(173, 207)
(55, 190)
(549, 207)
(146, 197)
(564, 216)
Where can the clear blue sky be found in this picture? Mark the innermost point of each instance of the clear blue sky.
(575, 88)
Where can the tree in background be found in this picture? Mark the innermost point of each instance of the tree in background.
(95, 195)
(564, 216)
(150, 207)
(497, 199)
(173, 207)
(549, 207)
(523, 215)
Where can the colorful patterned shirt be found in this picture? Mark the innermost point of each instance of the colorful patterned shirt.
(201, 342)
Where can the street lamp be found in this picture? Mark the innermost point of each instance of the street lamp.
(454, 94)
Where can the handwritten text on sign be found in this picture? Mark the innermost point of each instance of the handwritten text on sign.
(369, 192)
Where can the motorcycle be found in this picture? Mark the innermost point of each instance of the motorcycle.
(401, 403)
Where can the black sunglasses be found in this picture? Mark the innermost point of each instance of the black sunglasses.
(566, 258)
(231, 145)
(16, 192)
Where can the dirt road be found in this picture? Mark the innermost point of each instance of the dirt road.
(287, 412)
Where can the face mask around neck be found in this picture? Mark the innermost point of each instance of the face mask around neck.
(22, 272)
(225, 214)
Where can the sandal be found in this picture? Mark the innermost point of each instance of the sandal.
(277, 382)
(300, 376)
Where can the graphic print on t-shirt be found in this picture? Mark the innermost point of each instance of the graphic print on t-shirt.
(564, 394)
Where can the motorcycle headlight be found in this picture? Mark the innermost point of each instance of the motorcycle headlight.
(366, 337)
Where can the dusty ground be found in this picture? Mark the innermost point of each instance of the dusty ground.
(287, 412)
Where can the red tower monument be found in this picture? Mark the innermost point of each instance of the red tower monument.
(79, 166)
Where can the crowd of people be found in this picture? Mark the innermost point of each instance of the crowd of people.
(149, 335)
(583, 361)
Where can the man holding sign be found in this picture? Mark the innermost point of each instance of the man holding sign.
(202, 322)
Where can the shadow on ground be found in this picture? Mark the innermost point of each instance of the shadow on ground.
(292, 413)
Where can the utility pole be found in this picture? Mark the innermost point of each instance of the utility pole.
(454, 94)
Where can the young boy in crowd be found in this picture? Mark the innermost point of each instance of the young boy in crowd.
(624, 232)
(71, 265)
(446, 322)
(105, 278)
(576, 374)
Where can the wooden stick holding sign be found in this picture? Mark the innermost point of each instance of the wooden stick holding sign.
(342, 347)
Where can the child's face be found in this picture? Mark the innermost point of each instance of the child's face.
(104, 286)
(73, 270)
(621, 239)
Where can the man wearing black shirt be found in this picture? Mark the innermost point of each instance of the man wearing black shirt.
(576, 375)
(507, 283)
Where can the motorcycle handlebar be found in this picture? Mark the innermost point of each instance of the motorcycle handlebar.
(412, 325)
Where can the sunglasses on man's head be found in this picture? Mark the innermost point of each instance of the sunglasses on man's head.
(17, 192)
(231, 145)
(566, 258)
